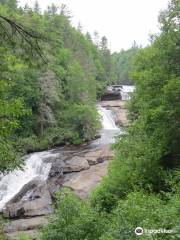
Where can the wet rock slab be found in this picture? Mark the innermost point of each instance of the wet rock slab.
(120, 116)
(82, 183)
(80, 171)
(37, 202)
(28, 227)
(25, 224)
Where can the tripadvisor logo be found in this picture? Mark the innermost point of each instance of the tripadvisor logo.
(138, 231)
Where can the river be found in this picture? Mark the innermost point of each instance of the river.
(37, 166)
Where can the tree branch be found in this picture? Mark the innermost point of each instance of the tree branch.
(28, 36)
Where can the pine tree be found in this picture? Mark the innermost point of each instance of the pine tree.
(37, 7)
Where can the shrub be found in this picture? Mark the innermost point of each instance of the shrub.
(135, 166)
(147, 211)
(81, 120)
(74, 219)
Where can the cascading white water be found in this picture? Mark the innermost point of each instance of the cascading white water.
(107, 119)
(12, 183)
(126, 92)
(109, 129)
(125, 96)
(36, 166)
(128, 88)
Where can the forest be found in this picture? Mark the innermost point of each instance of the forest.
(51, 76)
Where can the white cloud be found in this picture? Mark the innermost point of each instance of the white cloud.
(122, 21)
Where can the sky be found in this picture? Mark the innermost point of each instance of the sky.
(121, 21)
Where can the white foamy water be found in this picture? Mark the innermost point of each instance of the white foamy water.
(107, 119)
(126, 92)
(109, 128)
(36, 166)
(128, 88)
(12, 183)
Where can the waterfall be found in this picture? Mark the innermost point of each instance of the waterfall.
(126, 92)
(125, 96)
(107, 118)
(36, 166)
(12, 183)
(109, 128)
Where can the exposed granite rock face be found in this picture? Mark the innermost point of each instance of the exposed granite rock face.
(35, 198)
(82, 183)
(72, 162)
(73, 169)
(120, 116)
(75, 164)
(25, 224)
(99, 155)
(26, 188)
(36, 202)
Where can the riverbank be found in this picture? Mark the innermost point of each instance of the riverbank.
(80, 168)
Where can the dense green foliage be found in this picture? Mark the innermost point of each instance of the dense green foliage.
(142, 188)
(44, 104)
(148, 155)
(122, 65)
(146, 211)
(74, 220)
(11, 109)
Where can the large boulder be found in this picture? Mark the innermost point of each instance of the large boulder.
(37, 202)
(82, 183)
(99, 155)
(75, 164)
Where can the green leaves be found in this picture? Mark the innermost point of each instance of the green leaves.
(74, 219)
(122, 65)
(36, 98)
(11, 109)
(82, 120)
(146, 211)
(147, 157)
